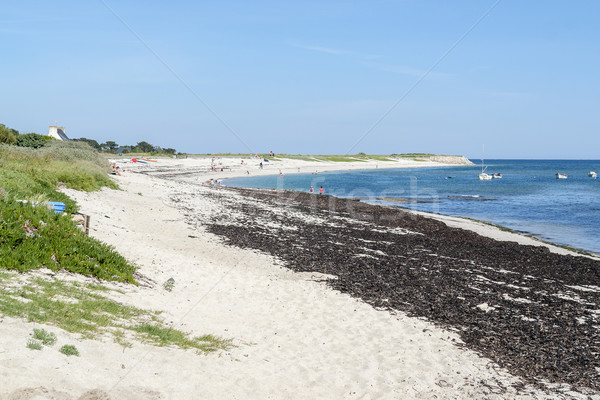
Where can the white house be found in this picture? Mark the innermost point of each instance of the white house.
(58, 132)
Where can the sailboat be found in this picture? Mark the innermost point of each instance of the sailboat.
(483, 176)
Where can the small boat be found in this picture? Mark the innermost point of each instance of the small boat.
(592, 174)
(561, 176)
(483, 176)
(497, 176)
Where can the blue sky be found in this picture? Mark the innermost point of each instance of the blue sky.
(309, 77)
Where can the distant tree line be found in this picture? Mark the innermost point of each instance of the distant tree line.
(112, 147)
(34, 140)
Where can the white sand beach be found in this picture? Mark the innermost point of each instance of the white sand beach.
(294, 337)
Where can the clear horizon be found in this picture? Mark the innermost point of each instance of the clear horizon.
(309, 77)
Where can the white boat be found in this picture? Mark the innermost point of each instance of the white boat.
(483, 176)
(497, 176)
(592, 174)
(561, 176)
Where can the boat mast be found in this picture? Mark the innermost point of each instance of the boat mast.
(482, 156)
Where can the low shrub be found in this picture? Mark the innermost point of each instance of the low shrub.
(47, 338)
(33, 236)
(69, 350)
(33, 344)
(32, 140)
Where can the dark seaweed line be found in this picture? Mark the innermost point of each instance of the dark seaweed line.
(539, 329)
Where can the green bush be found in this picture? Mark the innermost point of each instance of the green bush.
(72, 151)
(69, 350)
(47, 338)
(94, 144)
(32, 140)
(34, 344)
(27, 173)
(33, 236)
(7, 135)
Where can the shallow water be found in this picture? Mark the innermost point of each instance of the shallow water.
(528, 198)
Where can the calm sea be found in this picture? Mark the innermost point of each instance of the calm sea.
(528, 198)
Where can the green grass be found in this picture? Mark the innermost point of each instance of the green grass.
(334, 158)
(69, 306)
(47, 338)
(34, 174)
(31, 235)
(413, 155)
(83, 309)
(165, 336)
(297, 157)
(69, 350)
(34, 344)
(380, 158)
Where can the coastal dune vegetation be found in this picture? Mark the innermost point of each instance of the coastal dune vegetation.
(32, 234)
(34, 237)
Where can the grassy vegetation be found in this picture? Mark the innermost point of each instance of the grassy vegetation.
(413, 155)
(298, 157)
(32, 235)
(69, 350)
(41, 338)
(34, 174)
(340, 158)
(34, 344)
(164, 336)
(379, 158)
(84, 309)
(47, 338)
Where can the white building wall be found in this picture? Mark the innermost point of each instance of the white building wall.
(57, 132)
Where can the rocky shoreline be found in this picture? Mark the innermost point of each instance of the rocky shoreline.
(531, 311)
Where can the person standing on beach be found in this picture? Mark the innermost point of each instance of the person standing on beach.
(311, 190)
(321, 190)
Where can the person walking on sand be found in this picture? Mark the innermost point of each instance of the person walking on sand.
(321, 190)
(311, 190)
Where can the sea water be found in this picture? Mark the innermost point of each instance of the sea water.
(528, 198)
